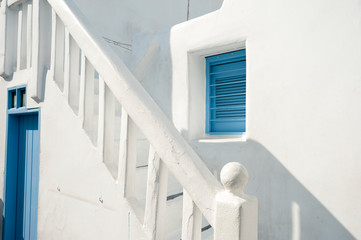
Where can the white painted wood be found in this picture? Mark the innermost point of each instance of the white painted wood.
(32, 88)
(29, 34)
(23, 40)
(101, 118)
(109, 132)
(8, 41)
(3, 13)
(82, 88)
(191, 220)
(12, 3)
(41, 45)
(131, 161)
(90, 122)
(53, 43)
(66, 63)
(20, 34)
(74, 75)
(59, 53)
(176, 153)
(123, 151)
(236, 213)
(155, 208)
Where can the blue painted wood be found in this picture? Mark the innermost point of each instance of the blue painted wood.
(9, 214)
(21, 173)
(226, 93)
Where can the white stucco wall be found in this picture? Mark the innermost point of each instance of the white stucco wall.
(122, 20)
(301, 148)
(78, 197)
(303, 91)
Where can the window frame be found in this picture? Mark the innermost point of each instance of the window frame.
(223, 58)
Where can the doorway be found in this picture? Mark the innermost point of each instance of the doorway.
(21, 175)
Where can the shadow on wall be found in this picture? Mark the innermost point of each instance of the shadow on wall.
(153, 67)
(287, 210)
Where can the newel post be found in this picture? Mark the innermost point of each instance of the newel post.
(236, 215)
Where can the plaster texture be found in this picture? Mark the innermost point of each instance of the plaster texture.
(237, 215)
(301, 144)
(78, 197)
(301, 147)
(302, 92)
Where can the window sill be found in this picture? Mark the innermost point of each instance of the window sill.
(222, 139)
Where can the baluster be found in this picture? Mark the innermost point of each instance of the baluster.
(59, 44)
(53, 42)
(66, 63)
(130, 171)
(29, 34)
(40, 48)
(156, 198)
(82, 87)
(131, 159)
(123, 151)
(20, 33)
(90, 122)
(101, 117)
(74, 75)
(109, 115)
(4, 35)
(191, 219)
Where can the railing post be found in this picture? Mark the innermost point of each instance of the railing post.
(236, 213)
(3, 10)
(20, 44)
(191, 220)
(40, 49)
(101, 117)
(156, 199)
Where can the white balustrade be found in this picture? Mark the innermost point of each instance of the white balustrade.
(16, 27)
(74, 75)
(155, 208)
(192, 219)
(235, 214)
(93, 80)
(58, 47)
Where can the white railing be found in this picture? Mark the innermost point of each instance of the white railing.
(114, 109)
(19, 18)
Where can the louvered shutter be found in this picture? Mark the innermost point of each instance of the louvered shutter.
(226, 93)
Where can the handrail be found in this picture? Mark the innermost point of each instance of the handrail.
(169, 144)
(15, 2)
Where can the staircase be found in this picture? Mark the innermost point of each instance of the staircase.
(148, 158)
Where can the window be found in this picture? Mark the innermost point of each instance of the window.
(226, 93)
(17, 97)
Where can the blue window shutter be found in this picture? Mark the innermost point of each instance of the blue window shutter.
(226, 93)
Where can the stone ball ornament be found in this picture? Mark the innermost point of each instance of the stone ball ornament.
(234, 177)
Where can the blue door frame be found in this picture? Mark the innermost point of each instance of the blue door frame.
(21, 171)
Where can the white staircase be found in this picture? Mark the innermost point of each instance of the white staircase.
(167, 185)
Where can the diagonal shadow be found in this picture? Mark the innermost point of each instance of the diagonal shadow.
(287, 210)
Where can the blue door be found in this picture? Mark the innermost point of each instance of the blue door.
(22, 177)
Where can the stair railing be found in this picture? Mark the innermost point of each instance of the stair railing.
(82, 64)
(15, 26)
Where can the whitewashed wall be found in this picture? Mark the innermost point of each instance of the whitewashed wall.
(78, 197)
(122, 19)
(303, 91)
(303, 94)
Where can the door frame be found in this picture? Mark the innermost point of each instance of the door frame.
(11, 161)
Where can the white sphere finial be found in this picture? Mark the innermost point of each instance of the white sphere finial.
(234, 177)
